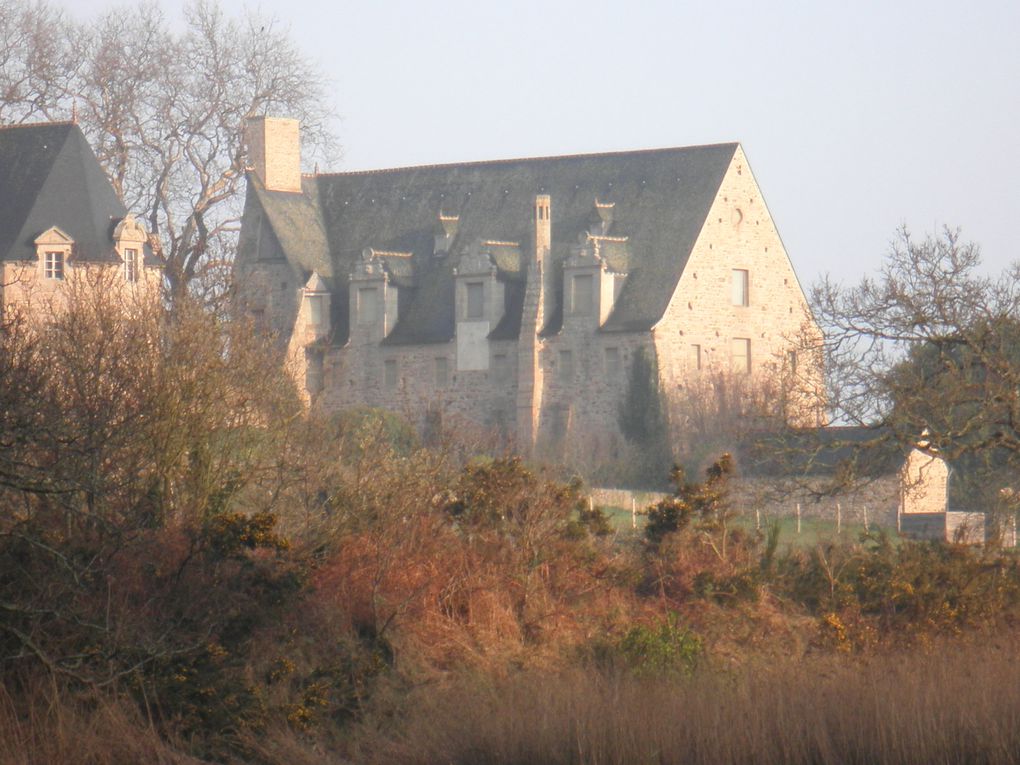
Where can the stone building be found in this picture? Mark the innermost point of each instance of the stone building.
(60, 220)
(516, 294)
(962, 500)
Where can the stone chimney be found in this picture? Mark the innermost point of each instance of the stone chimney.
(534, 315)
(543, 249)
(274, 151)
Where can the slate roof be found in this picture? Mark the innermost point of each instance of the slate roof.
(662, 198)
(49, 177)
(861, 451)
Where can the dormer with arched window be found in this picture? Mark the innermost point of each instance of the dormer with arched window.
(129, 238)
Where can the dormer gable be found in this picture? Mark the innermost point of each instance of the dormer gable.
(315, 309)
(480, 294)
(129, 239)
(375, 286)
(593, 276)
(52, 236)
(446, 231)
(601, 218)
(54, 251)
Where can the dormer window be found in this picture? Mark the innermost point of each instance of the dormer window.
(53, 248)
(368, 306)
(475, 300)
(316, 312)
(582, 295)
(131, 265)
(53, 267)
(129, 238)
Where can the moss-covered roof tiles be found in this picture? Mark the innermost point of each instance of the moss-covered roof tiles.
(659, 200)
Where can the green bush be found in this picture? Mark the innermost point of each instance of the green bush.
(662, 649)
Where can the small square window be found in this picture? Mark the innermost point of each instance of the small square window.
(54, 265)
(475, 300)
(740, 287)
(499, 367)
(442, 369)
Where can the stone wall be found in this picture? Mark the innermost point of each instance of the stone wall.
(26, 290)
(582, 372)
(696, 337)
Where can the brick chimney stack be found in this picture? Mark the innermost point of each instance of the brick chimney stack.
(274, 152)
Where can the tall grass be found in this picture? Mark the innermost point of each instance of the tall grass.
(948, 705)
(46, 725)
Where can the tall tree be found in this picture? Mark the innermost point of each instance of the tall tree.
(929, 352)
(165, 110)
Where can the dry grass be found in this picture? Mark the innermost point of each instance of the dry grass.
(49, 726)
(951, 704)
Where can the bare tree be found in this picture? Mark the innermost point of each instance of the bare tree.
(165, 110)
(36, 61)
(930, 347)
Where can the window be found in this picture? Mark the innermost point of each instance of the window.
(475, 300)
(313, 373)
(54, 265)
(390, 373)
(791, 361)
(740, 284)
(613, 363)
(368, 305)
(442, 372)
(499, 368)
(131, 266)
(582, 294)
(741, 356)
(316, 312)
(695, 356)
(566, 365)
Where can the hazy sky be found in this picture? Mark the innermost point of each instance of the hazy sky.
(856, 117)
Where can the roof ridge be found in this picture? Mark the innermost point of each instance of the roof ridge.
(511, 160)
(52, 123)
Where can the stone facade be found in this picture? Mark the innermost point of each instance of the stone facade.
(924, 482)
(739, 310)
(515, 296)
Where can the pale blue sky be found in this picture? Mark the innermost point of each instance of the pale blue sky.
(856, 117)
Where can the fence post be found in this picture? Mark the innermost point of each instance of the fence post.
(633, 512)
(839, 519)
(798, 517)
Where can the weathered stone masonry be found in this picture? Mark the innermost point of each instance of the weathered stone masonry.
(515, 294)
